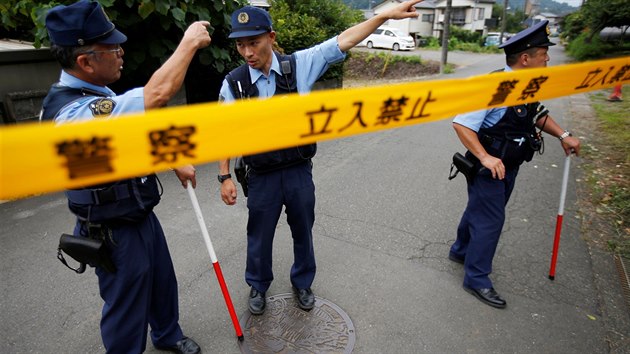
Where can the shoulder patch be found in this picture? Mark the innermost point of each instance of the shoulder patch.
(102, 107)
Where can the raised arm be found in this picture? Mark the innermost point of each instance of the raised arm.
(355, 34)
(168, 79)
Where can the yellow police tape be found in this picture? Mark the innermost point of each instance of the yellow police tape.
(38, 158)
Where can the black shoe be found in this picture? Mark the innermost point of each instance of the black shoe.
(455, 259)
(257, 302)
(305, 298)
(488, 296)
(184, 346)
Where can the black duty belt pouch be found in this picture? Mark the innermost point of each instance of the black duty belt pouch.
(516, 149)
(240, 170)
(463, 165)
(85, 250)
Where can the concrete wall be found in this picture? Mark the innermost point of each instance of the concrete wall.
(26, 74)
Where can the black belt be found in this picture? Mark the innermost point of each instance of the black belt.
(98, 196)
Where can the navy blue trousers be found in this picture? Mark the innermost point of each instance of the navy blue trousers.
(293, 188)
(480, 227)
(142, 292)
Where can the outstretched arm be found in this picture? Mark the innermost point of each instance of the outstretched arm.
(355, 34)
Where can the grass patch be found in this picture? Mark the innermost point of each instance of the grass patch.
(471, 47)
(449, 68)
(386, 65)
(607, 167)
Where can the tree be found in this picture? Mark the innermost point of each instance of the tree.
(153, 28)
(573, 25)
(599, 14)
(582, 28)
(301, 24)
(514, 20)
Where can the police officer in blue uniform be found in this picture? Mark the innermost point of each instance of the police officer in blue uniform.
(141, 289)
(282, 177)
(499, 140)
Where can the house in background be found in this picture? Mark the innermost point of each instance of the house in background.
(554, 21)
(467, 14)
(264, 4)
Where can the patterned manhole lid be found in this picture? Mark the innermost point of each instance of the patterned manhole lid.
(285, 328)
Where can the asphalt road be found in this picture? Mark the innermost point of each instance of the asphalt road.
(385, 218)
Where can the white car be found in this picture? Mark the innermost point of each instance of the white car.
(390, 38)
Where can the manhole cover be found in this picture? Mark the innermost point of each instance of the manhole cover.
(285, 328)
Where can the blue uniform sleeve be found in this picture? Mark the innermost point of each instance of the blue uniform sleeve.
(472, 120)
(484, 118)
(94, 107)
(313, 62)
(225, 94)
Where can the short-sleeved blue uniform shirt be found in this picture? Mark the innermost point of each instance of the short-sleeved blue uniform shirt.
(311, 64)
(484, 118)
(95, 107)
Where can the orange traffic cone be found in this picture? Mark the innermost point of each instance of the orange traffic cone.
(616, 95)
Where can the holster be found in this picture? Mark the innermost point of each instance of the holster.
(85, 250)
(463, 165)
(240, 170)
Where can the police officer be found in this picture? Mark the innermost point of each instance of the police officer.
(282, 177)
(499, 140)
(142, 290)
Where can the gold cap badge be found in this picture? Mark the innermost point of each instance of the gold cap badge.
(243, 17)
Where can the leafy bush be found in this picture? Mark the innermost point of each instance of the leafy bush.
(433, 42)
(574, 25)
(153, 28)
(476, 48)
(302, 24)
(463, 35)
(453, 43)
(582, 29)
(582, 49)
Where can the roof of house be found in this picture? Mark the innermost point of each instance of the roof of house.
(14, 44)
(259, 3)
(549, 15)
(432, 4)
(426, 4)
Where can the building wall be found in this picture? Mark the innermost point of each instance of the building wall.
(25, 73)
(469, 14)
(415, 26)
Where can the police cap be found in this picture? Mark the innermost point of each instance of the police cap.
(81, 23)
(534, 36)
(250, 21)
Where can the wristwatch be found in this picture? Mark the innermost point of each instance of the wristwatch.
(224, 177)
(565, 134)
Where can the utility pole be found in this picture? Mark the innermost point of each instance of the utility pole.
(504, 20)
(445, 34)
(472, 22)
